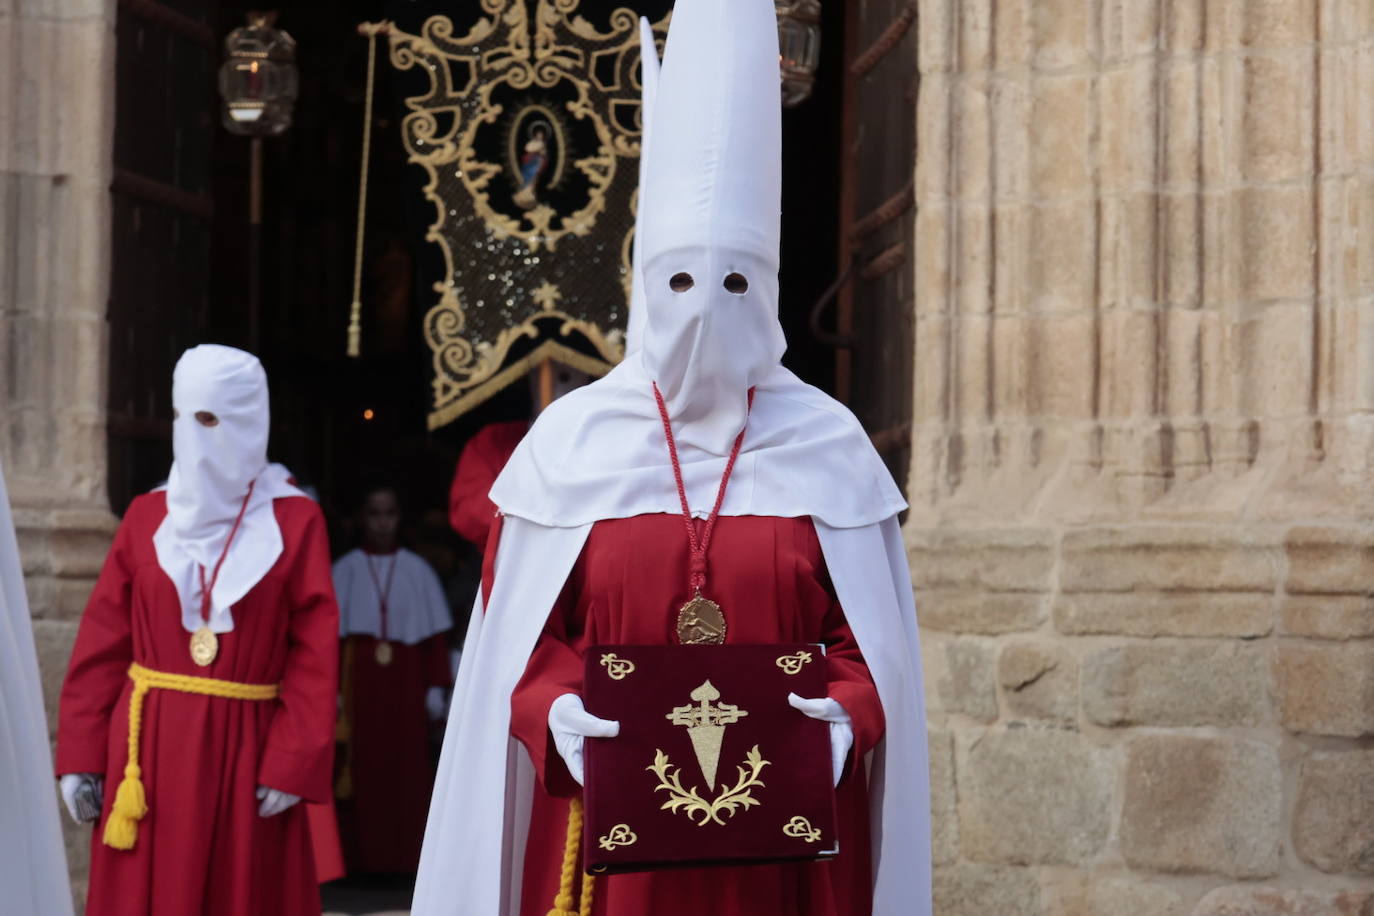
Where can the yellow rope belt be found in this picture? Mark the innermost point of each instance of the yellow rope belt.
(131, 803)
(563, 901)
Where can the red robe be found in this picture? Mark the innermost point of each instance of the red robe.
(769, 576)
(203, 848)
(392, 771)
(470, 510)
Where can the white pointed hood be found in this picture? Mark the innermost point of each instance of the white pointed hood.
(708, 208)
(212, 469)
(710, 217)
(648, 81)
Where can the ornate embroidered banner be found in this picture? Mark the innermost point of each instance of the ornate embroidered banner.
(529, 133)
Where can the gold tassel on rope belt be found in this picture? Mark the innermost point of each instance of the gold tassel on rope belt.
(131, 800)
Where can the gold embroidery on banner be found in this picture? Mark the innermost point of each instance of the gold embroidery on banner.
(620, 835)
(617, 668)
(801, 828)
(534, 73)
(793, 664)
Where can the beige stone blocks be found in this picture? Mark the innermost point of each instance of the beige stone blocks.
(1058, 784)
(1169, 559)
(979, 890)
(1144, 460)
(1273, 901)
(1237, 614)
(1039, 682)
(1326, 689)
(1185, 685)
(1334, 816)
(1196, 804)
(1059, 135)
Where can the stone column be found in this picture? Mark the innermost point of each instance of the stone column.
(56, 130)
(1141, 486)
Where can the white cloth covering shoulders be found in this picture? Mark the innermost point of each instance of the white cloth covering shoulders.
(255, 550)
(416, 607)
(33, 862)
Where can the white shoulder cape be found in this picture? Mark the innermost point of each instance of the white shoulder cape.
(416, 606)
(479, 813)
(33, 861)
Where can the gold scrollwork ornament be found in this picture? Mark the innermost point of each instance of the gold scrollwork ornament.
(617, 668)
(793, 664)
(620, 835)
(800, 828)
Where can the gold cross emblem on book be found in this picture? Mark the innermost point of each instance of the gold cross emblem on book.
(705, 724)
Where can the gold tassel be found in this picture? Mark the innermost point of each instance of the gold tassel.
(130, 805)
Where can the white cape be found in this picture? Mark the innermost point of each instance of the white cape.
(33, 861)
(479, 813)
(416, 606)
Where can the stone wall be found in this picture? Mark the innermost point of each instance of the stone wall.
(1141, 526)
(56, 128)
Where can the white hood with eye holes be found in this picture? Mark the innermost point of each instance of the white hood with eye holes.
(709, 208)
(212, 467)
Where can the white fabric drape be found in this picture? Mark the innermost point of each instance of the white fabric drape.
(33, 862)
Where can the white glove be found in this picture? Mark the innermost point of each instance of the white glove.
(570, 724)
(83, 806)
(841, 729)
(436, 703)
(274, 801)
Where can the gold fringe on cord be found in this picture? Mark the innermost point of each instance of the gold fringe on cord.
(563, 902)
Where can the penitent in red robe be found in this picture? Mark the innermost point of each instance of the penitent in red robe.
(392, 773)
(470, 511)
(202, 849)
(769, 576)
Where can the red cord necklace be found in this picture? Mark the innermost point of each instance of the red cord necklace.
(700, 622)
(384, 651)
(204, 642)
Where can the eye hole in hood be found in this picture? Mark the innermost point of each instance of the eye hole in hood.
(681, 282)
(737, 284)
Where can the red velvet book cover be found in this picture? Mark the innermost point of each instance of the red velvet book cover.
(711, 766)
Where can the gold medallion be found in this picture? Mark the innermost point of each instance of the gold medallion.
(204, 646)
(701, 623)
(383, 653)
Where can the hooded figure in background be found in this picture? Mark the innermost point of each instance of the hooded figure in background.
(202, 683)
(802, 543)
(33, 862)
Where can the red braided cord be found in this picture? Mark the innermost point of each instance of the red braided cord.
(697, 576)
(206, 590)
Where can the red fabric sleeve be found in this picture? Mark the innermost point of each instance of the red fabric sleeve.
(554, 668)
(851, 685)
(100, 660)
(470, 510)
(299, 754)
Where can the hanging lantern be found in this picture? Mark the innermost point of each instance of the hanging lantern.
(799, 41)
(258, 78)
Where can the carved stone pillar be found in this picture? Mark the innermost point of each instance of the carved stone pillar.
(56, 113)
(1141, 483)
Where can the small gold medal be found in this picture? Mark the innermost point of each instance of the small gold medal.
(383, 653)
(204, 646)
(700, 623)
